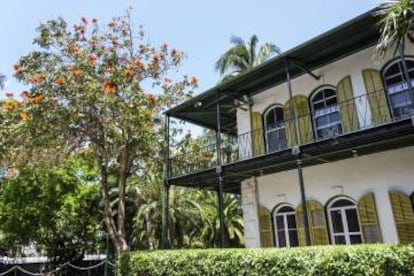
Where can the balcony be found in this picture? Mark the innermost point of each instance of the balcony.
(365, 124)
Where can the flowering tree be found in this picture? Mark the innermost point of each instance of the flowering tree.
(99, 89)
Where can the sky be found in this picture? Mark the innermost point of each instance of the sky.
(202, 29)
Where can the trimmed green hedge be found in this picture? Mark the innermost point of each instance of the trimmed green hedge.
(319, 260)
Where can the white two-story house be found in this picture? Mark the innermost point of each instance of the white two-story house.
(323, 142)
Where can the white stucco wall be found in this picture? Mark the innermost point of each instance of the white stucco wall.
(378, 173)
(330, 74)
(250, 212)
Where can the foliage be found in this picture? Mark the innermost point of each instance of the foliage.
(55, 207)
(99, 89)
(233, 219)
(327, 260)
(193, 213)
(397, 24)
(243, 56)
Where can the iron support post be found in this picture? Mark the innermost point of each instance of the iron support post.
(298, 155)
(303, 200)
(166, 188)
(219, 174)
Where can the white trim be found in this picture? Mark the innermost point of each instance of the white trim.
(281, 129)
(286, 229)
(342, 209)
(326, 112)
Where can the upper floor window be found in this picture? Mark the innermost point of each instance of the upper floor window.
(397, 84)
(286, 232)
(326, 118)
(343, 222)
(275, 129)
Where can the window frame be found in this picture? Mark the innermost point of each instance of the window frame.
(276, 212)
(389, 94)
(325, 113)
(346, 233)
(280, 129)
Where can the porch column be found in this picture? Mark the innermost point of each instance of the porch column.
(220, 180)
(297, 153)
(166, 188)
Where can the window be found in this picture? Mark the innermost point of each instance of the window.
(343, 222)
(275, 129)
(326, 118)
(398, 91)
(286, 233)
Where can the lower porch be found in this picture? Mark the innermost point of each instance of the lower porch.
(364, 199)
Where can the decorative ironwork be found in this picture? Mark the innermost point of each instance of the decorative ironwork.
(356, 114)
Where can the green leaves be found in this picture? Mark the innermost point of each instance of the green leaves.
(396, 19)
(320, 261)
(101, 90)
(54, 207)
(243, 56)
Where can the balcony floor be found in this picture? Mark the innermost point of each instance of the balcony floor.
(387, 137)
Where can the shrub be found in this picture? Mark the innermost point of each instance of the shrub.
(318, 260)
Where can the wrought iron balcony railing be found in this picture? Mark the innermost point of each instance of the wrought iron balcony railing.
(356, 114)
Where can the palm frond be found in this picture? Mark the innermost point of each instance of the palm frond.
(266, 51)
(235, 58)
(252, 50)
(237, 41)
(396, 21)
(241, 56)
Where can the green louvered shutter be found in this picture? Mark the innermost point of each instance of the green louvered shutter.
(376, 96)
(317, 221)
(299, 225)
(317, 224)
(257, 134)
(303, 120)
(403, 216)
(289, 128)
(369, 220)
(347, 108)
(265, 228)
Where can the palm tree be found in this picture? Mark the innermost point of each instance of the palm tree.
(243, 56)
(233, 219)
(397, 24)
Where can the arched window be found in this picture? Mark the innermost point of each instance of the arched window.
(397, 86)
(343, 222)
(286, 233)
(275, 129)
(326, 118)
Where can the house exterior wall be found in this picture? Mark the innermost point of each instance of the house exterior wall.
(330, 74)
(378, 173)
(250, 212)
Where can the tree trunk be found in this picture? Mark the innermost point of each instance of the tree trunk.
(109, 220)
(123, 176)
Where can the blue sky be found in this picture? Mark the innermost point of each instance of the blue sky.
(201, 28)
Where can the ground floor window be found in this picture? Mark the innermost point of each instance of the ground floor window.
(286, 233)
(343, 222)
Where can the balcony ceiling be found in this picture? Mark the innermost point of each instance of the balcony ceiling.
(346, 39)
